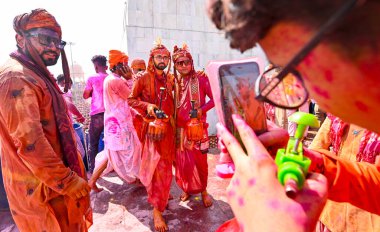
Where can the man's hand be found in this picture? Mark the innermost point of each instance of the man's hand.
(78, 188)
(199, 113)
(126, 72)
(150, 110)
(317, 164)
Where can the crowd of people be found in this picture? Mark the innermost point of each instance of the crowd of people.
(154, 120)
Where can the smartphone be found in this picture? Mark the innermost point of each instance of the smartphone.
(232, 86)
(237, 84)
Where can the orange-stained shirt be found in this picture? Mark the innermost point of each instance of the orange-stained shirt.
(31, 154)
(145, 91)
(357, 183)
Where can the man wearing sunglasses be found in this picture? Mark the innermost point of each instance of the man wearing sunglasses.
(191, 169)
(332, 47)
(43, 172)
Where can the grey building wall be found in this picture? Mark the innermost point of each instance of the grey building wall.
(176, 22)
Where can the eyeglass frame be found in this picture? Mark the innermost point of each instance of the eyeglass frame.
(183, 63)
(159, 57)
(291, 66)
(61, 44)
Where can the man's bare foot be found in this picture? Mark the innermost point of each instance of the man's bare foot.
(207, 201)
(159, 222)
(184, 196)
(94, 187)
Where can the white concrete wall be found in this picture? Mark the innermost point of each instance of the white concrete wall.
(176, 22)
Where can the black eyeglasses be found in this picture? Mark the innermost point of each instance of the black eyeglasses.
(46, 40)
(268, 88)
(165, 58)
(183, 63)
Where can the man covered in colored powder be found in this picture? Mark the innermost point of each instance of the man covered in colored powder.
(151, 87)
(122, 151)
(191, 156)
(43, 172)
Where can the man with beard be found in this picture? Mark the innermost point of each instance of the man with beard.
(334, 45)
(42, 170)
(191, 156)
(153, 86)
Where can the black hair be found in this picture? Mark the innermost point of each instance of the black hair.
(258, 16)
(61, 79)
(100, 60)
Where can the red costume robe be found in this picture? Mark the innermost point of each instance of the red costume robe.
(191, 169)
(157, 156)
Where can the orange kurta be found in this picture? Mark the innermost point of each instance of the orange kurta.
(35, 177)
(344, 216)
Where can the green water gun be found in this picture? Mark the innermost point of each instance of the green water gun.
(291, 163)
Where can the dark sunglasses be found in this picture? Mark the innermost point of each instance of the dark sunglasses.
(46, 40)
(183, 63)
(264, 88)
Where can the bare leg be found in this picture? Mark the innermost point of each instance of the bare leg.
(159, 222)
(96, 174)
(207, 201)
(184, 196)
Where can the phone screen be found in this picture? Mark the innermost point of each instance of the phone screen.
(238, 96)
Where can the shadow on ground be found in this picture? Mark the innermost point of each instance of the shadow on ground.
(123, 207)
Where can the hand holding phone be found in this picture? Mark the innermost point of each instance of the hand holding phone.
(232, 84)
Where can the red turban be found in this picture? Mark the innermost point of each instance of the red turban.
(159, 48)
(116, 56)
(181, 52)
(38, 18)
(138, 63)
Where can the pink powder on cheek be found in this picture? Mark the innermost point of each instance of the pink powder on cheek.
(274, 204)
(235, 182)
(329, 76)
(251, 182)
(240, 201)
(231, 193)
(241, 227)
(321, 92)
(361, 106)
(308, 60)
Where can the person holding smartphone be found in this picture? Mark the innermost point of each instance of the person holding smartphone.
(334, 47)
(122, 151)
(191, 169)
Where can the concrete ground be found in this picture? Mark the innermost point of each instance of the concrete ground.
(123, 207)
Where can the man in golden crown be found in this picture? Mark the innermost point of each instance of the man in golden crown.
(191, 169)
(152, 98)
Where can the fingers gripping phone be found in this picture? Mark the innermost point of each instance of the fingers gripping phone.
(232, 84)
